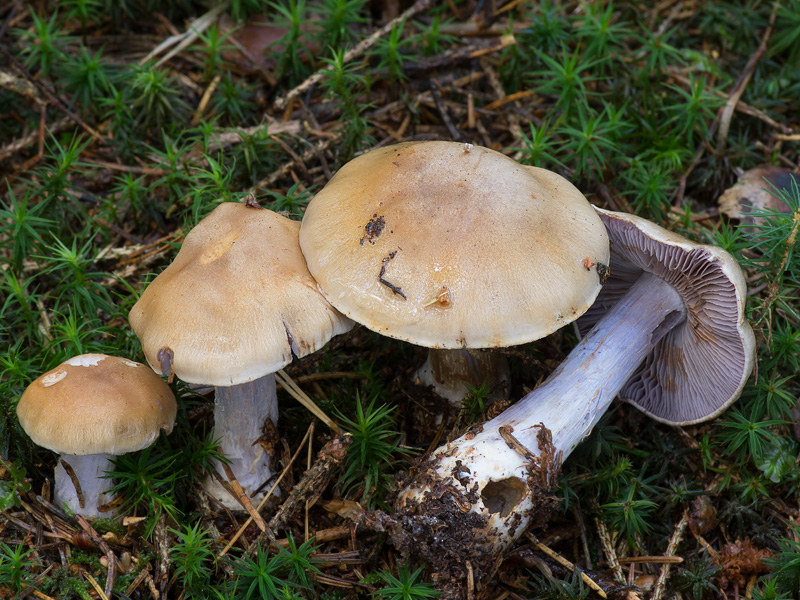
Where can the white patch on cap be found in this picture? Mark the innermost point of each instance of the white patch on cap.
(130, 363)
(85, 360)
(53, 378)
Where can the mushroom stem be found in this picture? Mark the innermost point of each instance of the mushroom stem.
(240, 412)
(497, 480)
(447, 371)
(89, 470)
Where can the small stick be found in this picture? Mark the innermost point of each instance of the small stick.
(54, 509)
(455, 134)
(741, 84)
(162, 565)
(324, 535)
(95, 585)
(205, 99)
(360, 48)
(329, 375)
(29, 139)
(565, 563)
(136, 582)
(395, 288)
(36, 593)
(657, 560)
(48, 94)
(515, 444)
(183, 40)
(470, 582)
(608, 548)
(733, 100)
(243, 499)
(31, 529)
(297, 159)
(672, 547)
(268, 181)
(268, 494)
(112, 560)
(151, 585)
(584, 537)
(310, 458)
(510, 98)
(314, 480)
(339, 582)
(61, 552)
(75, 482)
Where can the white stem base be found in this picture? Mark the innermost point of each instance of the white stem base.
(240, 412)
(482, 490)
(89, 470)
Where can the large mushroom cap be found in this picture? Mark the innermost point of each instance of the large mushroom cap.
(97, 404)
(236, 302)
(448, 246)
(699, 367)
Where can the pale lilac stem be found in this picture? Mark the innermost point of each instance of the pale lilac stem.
(569, 404)
(240, 412)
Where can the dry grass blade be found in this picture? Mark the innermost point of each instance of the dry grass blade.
(183, 40)
(288, 384)
(564, 562)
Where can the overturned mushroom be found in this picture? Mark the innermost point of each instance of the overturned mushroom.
(234, 307)
(88, 409)
(455, 248)
(669, 336)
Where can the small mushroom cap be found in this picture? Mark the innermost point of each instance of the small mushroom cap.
(236, 302)
(699, 367)
(449, 246)
(97, 404)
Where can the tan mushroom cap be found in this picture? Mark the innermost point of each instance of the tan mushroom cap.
(97, 404)
(699, 367)
(447, 245)
(236, 302)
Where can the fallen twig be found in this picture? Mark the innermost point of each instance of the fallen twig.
(105, 548)
(183, 40)
(672, 547)
(608, 549)
(565, 563)
(311, 486)
(360, 48)
(741, 84)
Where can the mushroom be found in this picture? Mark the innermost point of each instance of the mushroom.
(454, 247)
(669, 336)
(754, 193)
(234, 307)
(93, 407)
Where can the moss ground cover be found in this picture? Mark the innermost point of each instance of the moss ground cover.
(125, 123)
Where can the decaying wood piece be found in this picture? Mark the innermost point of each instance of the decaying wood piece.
(308, 489)
(314, 481)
